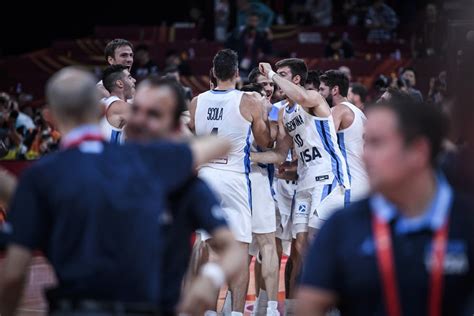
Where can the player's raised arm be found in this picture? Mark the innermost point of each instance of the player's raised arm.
(253, 103)
(305, 98)
(192, 114)
(280, 152)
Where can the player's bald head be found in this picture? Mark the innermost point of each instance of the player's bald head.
(72, 95)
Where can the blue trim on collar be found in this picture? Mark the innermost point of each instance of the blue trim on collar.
(291, 109)
(433, 218)
(221, 91)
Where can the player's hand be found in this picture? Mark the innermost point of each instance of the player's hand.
(264, 68)
(200, 297)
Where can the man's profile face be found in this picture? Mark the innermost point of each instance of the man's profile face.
(123, 55)
(353, 98)
(152, 114)
(129, 85)
(409, 76)
(325, 92)
(268, 86)
(286, 73)
(385, 151)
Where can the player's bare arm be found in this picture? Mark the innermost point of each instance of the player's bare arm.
(342, 116)
(192, 113)
(312, 301)
(283, 145)
(117, 113)
(253, 109)
(13, 278)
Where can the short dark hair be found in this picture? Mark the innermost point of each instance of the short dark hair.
(111, 74)
(155, 81)
(212, 78)
(253, 87)
(409, 69)
(111, 46)
(313, 77)
(225, 64)
(333, 78)
(418, 119)
(297, 66)
(360, 90)
(253, 75)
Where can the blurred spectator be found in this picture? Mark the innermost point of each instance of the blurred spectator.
(409, 77)
(221, 19)
(312, 81)
(430, 36)
(338, 48)
(347, 71)
(173, 72)
(247, 8)
(251, 44)
(143, 66)
(381, 21)
(180, 61)
(354, 11)
(357, 95)
(312, 12)
(438, 89)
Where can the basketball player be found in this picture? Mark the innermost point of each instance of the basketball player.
(309, 126)
(121, 87)
(349, 121)
(268, 86)
(117, 52)
(234, 115)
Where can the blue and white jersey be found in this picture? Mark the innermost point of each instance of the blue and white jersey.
(351, 143)
(218, 113)
(315, 143)
(111, 133)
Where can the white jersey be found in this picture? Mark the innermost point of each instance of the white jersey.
(351, 143)
(111, 133)
(315, 143)
(218, 113)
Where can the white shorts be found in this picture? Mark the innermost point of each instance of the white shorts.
(233, 191)
(313, 206)
(263, 205)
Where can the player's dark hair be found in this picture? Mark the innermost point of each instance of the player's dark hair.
(225, 64)
(156, 81)
(332, 78)
(297, 66)
(313, 77)
(253, 87)
(418, 120)
(360, 90)
(253, 75)
(111, 46)
(111, 74)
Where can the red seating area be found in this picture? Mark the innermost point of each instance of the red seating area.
(33, 69)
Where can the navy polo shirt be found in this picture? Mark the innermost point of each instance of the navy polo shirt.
(342, 258)
(192, 207)
(96, 213)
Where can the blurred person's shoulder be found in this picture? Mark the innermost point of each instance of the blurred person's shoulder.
(352, 217)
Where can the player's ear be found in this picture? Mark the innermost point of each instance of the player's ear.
(110, 60)
(119, 83)
(296, 79)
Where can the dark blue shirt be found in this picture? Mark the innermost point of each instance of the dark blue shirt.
(192, 207)
(96, 213)
(342, 257)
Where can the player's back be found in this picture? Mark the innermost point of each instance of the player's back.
(315, 142)
(351, 143)
(111, 133)
(218, 113)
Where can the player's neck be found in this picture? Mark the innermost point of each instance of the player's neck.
(118, 94)
(338, 99)
(412, 205)
(225, 85)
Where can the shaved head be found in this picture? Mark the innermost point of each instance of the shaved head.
(72, 95)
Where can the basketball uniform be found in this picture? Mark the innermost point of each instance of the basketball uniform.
(322, 169)
(218, 112)
(351, 143)
(111, 133)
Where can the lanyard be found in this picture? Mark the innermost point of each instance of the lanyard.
(386, 265)
(87, 137)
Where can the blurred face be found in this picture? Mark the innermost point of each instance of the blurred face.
(142, 56)
(252, 21)
(268, 86)
(311, 86)
(123, 56)
(353, 98)
(388, 159)
(326, 92)
(152, 115)
(409, 76)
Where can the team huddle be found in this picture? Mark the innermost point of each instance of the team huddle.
(291, 164)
